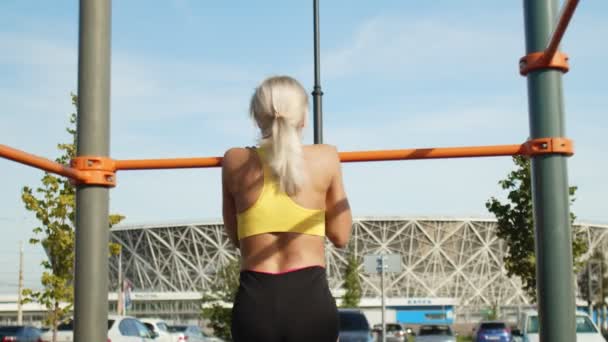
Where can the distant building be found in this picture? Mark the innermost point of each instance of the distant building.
(452, 269)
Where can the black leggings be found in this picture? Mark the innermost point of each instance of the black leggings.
(287, 307)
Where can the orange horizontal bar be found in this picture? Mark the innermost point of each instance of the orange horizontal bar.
(346, 157)
(177, 163)
(39, 162)
(432, 153)
(83, 173)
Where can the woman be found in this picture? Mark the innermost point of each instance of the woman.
(280, 201)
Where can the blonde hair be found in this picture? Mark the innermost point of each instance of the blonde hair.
(279, 106)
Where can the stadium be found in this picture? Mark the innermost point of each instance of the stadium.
(452, 270)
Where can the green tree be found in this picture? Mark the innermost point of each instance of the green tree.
(516, 226)
(53, 203)
(352, 285)
(493, 313)
(222, 290)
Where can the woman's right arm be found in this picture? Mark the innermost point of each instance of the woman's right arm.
(338, 217)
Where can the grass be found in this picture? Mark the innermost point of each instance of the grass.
(464, 339)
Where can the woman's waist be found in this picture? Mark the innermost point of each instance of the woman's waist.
(277, 265)
(293, 282)
(270, 261)
(283, 271)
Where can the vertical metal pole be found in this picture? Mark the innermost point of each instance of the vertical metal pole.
(555, 284)
(317, 93)
(602, 307)
(589, 291)
(120, 300)
(92, 226)
(382, 267)
(20, 286)
(604, 326)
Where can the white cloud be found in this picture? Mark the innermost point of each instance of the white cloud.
(466, 125)
(413, 48)
(146, 92)
(28, 50)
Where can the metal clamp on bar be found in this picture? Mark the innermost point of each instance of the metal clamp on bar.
(538, 60)
(554, 145)
(95, 170)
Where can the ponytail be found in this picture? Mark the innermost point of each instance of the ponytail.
(279, 106)
(285, 157)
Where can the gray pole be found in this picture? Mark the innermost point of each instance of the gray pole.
(555, 284)
(382, 267)
(589, 290)
(602, 307)
(92, 226)
(603, 327)
(20, 286)
(120, 303)
(317, 93)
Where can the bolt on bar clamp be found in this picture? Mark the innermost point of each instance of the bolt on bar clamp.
(553, 145)
(94, 170)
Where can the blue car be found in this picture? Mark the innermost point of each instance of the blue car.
(19, 333)
(354, 326)
(492, 331)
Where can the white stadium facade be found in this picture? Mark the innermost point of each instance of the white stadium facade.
(451, 269)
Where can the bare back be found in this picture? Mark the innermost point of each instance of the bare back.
(243, 180)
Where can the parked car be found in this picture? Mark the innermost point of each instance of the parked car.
(120, 329)
(528, 328)
(410, 331)
(394, 332)
(212, 338)
(159, 328)
(354, 326)
(435, 333)
(492, 331)
(191, 333)
(19, 333)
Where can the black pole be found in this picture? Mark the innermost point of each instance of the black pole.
(317, 93)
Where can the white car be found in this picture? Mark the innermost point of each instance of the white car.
(120, 329)
(528, 328)
(191, 333)
(159, 328)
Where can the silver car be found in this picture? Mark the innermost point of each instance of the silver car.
(159, 329)
(435, 333)
(191, 333)
(394, 332)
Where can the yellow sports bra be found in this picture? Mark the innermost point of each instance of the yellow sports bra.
(274, 211)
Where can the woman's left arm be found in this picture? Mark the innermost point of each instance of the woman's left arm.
(228, 208)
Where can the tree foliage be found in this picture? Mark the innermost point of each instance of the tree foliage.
(516, 226)
(223, 290)
(352, 285)
(53, 203)
(600, 279)
(493, 313)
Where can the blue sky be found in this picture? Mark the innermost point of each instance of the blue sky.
(395, 74)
